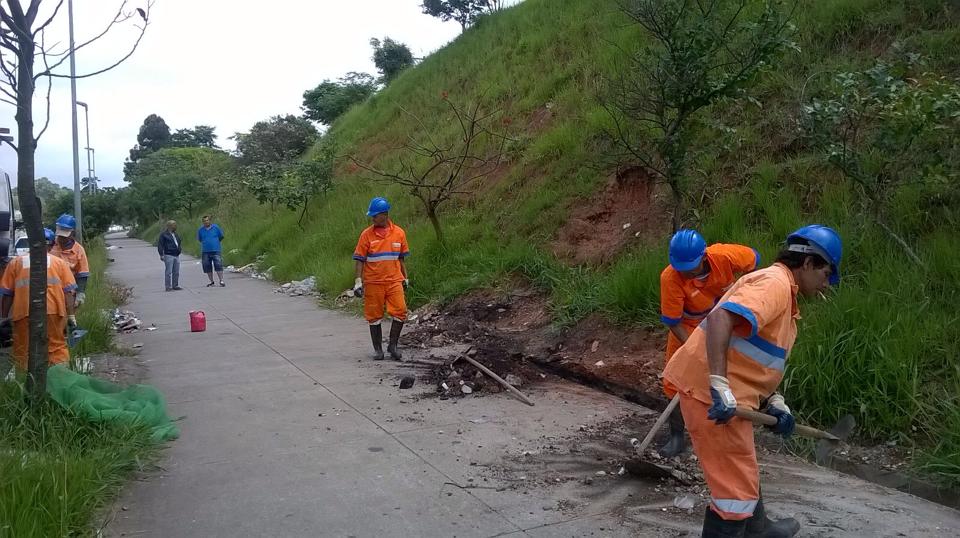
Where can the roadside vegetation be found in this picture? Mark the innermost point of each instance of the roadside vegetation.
(760, 164)
(57, 468)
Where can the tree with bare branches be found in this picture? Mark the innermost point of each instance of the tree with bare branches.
(436, 171)
(696, 52)
(23, 41)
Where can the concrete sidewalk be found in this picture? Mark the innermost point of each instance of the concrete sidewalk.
(290, 430)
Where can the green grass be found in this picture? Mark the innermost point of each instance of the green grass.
(880, 348)
(57, 469)
(90, 316)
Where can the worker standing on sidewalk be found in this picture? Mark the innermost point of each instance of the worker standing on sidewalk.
(69, 250)
(15, 306)
(737, 356)
(690, 287)
(381, 276)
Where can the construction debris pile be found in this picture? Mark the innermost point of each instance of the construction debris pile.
(460, 378)
(298, 288)
(253, 269)
(125, 321)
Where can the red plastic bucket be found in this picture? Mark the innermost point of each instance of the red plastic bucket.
(198, 321)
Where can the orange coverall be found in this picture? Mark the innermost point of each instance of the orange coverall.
(381, 250)
(766, 303)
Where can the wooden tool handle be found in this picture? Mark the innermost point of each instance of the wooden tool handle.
(656, 425)
(764, 419)
(498, 379)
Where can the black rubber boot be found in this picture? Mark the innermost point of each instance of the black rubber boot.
(677, 443)
(376, 337)
(716, 527)
(395, 329)
(760, 526)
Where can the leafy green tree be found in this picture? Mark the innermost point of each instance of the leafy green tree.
(694, 54)
(100, 209)
(293, 183)
(173, 180)
(279, 139)
(391, 57)
(889, 126)
(154, 134)
(201, 136)
(464, 12)
(331, 99)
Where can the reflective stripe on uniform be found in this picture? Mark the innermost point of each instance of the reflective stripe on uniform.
(735, 506)
(383, 257)
(765, 353)
(758, 349)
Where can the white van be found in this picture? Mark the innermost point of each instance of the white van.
(7, 238)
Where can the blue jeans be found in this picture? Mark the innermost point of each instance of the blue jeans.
(171, 271)
(211, 261)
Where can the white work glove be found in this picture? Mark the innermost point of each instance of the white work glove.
(724, 403)
(81, 297)
(72, 321)
(785, 421)
(406, 283)
(358, 287)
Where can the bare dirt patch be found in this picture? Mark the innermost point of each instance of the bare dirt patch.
(626, 210)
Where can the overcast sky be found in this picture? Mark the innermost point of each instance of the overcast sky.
(225, 63)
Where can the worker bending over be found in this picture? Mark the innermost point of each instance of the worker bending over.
(15, 306)
(690, 287)
(381, 276)
(69, 250)
(737, 356)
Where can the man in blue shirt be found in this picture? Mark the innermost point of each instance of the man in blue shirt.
(210, 235)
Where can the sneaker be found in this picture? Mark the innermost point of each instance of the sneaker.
(168, 289)
(210, 285)
(222, 285)
(177, 288)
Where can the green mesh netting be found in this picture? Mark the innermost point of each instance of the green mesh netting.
(103, 401)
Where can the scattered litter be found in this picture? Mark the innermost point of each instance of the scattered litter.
(599, 364)
(125, 321)
(685, 502)
(406, 382)
(151, 328)
(113, 247)
(297, 288)
(466, 389)
(478, 421)
(601, 473)
(622, 471)
(234, 251)
(627, 225)
(137, 346)
(84, 365)
(595, 346)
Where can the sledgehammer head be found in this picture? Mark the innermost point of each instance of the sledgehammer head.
(842, 430)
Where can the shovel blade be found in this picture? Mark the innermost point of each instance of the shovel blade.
(841, 430)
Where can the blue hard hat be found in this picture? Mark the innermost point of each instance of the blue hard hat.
(686, 250)
(67, 222)
(823, 241)
(378, 205)
(49, 235)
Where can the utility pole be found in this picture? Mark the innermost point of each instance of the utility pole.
(76, 136)
(90, 176)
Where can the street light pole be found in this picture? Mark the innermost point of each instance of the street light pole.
(76, 137)
(86, 116)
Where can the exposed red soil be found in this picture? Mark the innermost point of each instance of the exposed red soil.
(626, 211)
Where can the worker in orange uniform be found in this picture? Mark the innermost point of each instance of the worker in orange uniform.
(689, 288)
(15, 289)
(737, 356)
(69, 250)
(381, 276)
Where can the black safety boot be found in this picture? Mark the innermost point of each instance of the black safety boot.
(395, 329)
(760, 526)
(376, 336)
(715, 526)
(677, 443)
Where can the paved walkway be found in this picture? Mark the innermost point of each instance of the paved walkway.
(290, 430)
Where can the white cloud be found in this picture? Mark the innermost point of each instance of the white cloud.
(216, 62)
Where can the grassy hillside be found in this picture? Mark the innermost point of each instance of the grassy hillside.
(884, 347)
